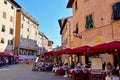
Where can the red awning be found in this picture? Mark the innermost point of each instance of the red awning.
(98, 48)
(62, 51)
(16, 57)
(79, 50)
(5, 54)
(49, 53)
(105, 47)
(114, 45)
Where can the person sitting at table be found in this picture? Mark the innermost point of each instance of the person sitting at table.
(77, 69)
(65, 68)
(84, 69)
(79, 65)
(55, 68)
(109, 66)
(108, 77)
(76, 72)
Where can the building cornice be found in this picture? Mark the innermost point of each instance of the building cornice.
(62, 23)
(70, 3)
(14, 3)
(28, 15)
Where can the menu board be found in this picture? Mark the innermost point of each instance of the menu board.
(96, 63)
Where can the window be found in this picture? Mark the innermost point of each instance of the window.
(11, 19)
(3, 28)
(22, 26)
(5, 1)
(23, 18)
(116, 11)
(2, 40)
(28, 29)
(36, 33)
(12, 7)
(27, 36)
(10, 42)
(89, 22)
(76, 28)
(76, 5)
(4, 15)
(11, 31)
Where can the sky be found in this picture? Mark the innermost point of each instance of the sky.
(47, 13)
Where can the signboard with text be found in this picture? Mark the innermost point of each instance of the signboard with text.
(96, 63)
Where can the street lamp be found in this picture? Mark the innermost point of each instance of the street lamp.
(79, 35)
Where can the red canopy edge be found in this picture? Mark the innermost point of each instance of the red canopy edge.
(62, 51)
(5, 54)
(110, 47)
(82, 50)
(49, 53)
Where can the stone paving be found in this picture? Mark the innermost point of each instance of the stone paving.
(24, 72)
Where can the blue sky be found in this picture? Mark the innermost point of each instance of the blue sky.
(47, 13)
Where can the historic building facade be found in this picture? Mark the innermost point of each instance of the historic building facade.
(40, 44)
(95, 22)
(44, 44)
(50, 45)
(7, 25)
(26, 38)
(19, 33)
(66, 31)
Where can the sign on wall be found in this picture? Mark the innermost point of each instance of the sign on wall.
(96, 63)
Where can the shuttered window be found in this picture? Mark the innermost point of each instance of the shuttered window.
(116, 11)
(3, 28)
(89, 22)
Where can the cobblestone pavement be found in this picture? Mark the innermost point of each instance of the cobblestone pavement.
(24, 72)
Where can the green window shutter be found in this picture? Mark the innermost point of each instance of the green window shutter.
(116, 11)
(89, 21)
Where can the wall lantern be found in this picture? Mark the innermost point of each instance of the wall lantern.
(77, 34)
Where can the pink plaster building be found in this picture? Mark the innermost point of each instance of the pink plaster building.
(66, 31)
(95, 22)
